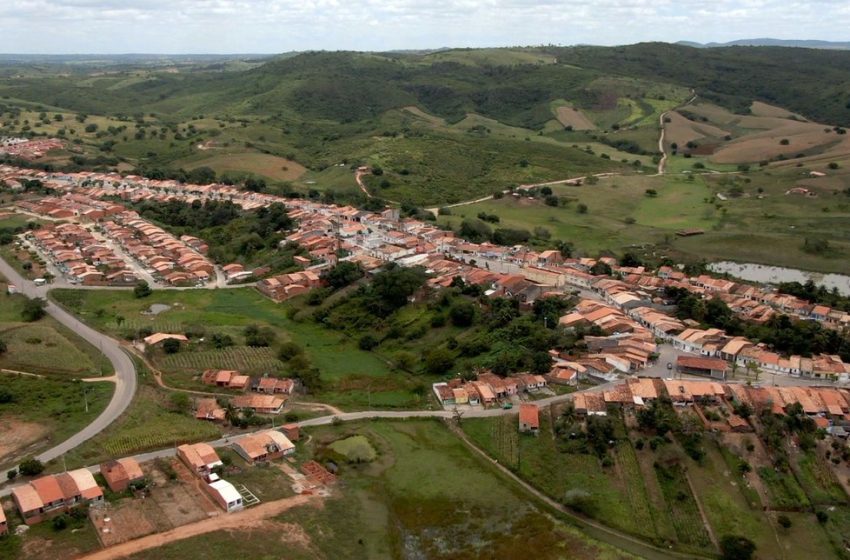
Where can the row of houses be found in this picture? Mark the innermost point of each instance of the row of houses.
(176, 261)
(828, 406)
(79, 256)
(487, 389)
(52, 495)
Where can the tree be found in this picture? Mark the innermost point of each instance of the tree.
(438, 360)
(581, 208)
(11, 474)
(600, 268)
(142, 290)
(31, 467)
(171, 346)
(462, 313)
(630, 260)
(343, 274)
(736, 547)
(784, 521)
(258, 336)
(2, 347)
(392, 287)
(475, 231)
(34, 309)
(288, 350)
(367, 342)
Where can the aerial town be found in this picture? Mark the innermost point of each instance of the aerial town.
(374, 299)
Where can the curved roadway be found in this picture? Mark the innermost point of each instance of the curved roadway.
(125, 369)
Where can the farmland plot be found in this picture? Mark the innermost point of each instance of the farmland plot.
(247, 359)
(683, 507)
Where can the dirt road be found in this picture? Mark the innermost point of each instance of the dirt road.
(245, 519)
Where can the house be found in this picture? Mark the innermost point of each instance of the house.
(225, 495)
(209, 409)
(122, 474)
(263, 446)
(52, 495)
(529, 418)
(156, 338)
(697, 365)
(4, 527)
(225, 378)
(201, 458)
(263, 404)
(273, 385)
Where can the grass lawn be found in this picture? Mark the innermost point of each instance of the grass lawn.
(353, 378)
(271, 167)
(785, 492)
(426, 496)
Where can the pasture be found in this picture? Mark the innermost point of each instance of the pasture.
(236, 163)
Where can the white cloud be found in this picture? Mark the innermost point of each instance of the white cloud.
(109, 26)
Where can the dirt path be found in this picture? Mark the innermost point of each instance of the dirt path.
(662, 163)
(358, 176)
(245, 519)
(593, 529)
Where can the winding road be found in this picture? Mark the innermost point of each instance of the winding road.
(125, 370)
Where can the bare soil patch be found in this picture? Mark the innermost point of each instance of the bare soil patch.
(682, 130)
(16, 436)
(250, 519)
(570, 116)
(760, 109)
(267, 165)
(115, 525)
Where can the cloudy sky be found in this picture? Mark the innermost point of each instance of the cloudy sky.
(271, 26)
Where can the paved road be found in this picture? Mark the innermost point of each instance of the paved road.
(125, 370)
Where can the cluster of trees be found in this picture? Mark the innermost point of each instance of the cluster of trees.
(233, 235)
(478, 231)
(816, 294)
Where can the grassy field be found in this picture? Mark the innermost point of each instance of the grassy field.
(271, 167)
(425, 496)
(614, 499)
(353, 378)
(45, 411)
(45, 347)
(621, 216)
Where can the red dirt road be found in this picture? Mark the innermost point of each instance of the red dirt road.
(245, 519)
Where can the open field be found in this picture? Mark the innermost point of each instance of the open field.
(269, 166)
(570, 116)
(425, 495)
(46, 411)
(353, 378)
(615, 493)
(622, 216)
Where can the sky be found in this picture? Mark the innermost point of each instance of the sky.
(274, 26)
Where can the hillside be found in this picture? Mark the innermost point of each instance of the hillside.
(447, 125)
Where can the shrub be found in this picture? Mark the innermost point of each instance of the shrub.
(59, 523)
(736, 547)
(367, 342)
(784, 521)
(142, 290)
(171, 346)
(33, 310)
(31, 467)
(462, 314)
(288, 350)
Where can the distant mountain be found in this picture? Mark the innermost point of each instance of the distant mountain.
(767, 42)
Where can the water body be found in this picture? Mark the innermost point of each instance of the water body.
(775, 274)
(157, 308)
